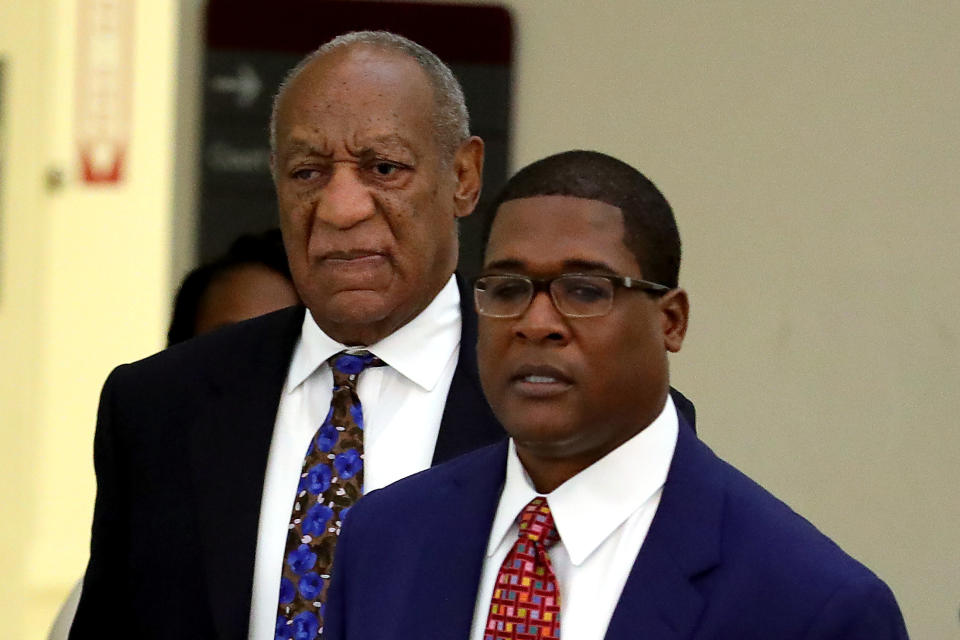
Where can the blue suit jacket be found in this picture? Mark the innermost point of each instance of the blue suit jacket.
(723, 559)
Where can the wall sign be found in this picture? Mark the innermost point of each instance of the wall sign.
(104, 87)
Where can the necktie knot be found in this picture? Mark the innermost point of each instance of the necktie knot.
(536, 523)
(347, 365)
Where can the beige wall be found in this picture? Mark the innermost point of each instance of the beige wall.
(85, 285)
(20, 334)
(809, 150)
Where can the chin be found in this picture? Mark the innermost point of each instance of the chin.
(348, 308)
(358, 307)
(542, 419)
(547, 440)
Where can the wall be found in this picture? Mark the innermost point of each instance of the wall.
(20, 333)
(86, 274)
(809, 150)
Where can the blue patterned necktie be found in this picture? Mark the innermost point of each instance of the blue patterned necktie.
(330, 482)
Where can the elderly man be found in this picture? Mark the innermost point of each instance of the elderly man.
(603, 516)
(204, 490)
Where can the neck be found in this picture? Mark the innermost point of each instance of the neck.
(360, 336)
(548, 474)
(364, 334)
(551, 463)
(369, 333)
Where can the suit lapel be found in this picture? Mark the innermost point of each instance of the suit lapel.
(229, 448)
(467, 423)
(461, 528)
(659, 600)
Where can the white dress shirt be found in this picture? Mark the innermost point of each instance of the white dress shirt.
(602, 515)
(402, 406)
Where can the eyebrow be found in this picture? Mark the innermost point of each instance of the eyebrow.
(299, 145)
(569, 266)
(390, 138)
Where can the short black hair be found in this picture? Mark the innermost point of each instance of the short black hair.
(651, 230)
(265, 249)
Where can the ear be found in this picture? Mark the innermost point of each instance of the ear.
(468, 167)
(674, 314)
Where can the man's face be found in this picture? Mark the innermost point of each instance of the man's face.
(574, 388)
(367, 201)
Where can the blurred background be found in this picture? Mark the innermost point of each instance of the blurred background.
(810, 151)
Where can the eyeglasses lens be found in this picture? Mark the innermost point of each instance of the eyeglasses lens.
(574, 296)
(582, 296)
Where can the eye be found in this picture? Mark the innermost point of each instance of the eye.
(586, 291)
(507, 290)
(385, 169)
(304, 174)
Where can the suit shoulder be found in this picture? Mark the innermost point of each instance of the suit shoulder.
(797, 575)
(763, 535)
(754, 553)
(257, 349)
(216, 351)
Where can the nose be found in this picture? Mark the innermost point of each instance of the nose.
(345, 201)
(541, 322)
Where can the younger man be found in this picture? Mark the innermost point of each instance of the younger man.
(603, 516)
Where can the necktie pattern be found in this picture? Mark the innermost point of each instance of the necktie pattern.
(526, 602)
(330, 482)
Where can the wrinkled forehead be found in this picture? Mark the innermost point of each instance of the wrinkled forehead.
(357, 75)
(351, 98)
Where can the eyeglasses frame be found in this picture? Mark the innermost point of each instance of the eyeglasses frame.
(544, 285)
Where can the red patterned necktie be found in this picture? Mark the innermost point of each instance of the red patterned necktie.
(330, 482)
(526, 602)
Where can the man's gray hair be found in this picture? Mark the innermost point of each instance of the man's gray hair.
(451, 120)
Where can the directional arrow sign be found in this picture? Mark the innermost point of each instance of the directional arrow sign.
(245, 85)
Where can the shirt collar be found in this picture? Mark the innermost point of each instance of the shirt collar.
(590, 506)
(418, 350)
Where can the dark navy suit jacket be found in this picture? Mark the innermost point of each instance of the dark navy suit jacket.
(723, 559)
(181, 451)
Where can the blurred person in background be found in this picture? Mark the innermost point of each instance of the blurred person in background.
(250, 280)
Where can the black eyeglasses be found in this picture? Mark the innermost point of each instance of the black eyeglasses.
(575, 295)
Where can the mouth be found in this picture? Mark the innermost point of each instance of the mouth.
(540, 381)
(356, 264)
(352, 256)
(342, 270)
